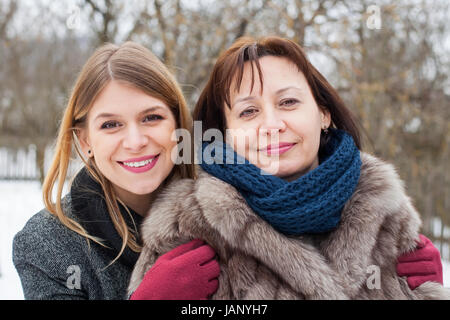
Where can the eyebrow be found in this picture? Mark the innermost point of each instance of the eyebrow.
(244, 99)
(277, 92)
(288, 88)
(110, 115)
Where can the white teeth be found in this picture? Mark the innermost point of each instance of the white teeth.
(138, 164)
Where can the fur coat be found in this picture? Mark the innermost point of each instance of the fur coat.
(357, 260)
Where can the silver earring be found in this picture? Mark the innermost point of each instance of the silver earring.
(325, 130)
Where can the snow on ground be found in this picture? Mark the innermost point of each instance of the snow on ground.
(19, 200)
(446, 267)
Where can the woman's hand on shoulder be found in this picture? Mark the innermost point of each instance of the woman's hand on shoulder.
(188, 272)
(421, 265)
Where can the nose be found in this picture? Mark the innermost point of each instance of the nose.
(135, 138)
(272, 122)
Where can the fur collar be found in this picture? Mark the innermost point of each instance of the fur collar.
(378, 224)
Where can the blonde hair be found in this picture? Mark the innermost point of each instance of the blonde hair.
(133, 64)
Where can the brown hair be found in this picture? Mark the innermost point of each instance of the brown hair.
(230, 67)
(135, 65)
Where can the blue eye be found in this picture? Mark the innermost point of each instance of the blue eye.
(110, 125)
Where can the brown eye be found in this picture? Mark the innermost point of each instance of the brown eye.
(288, 102)
(153, 117)
(248, 112)
(110, 125)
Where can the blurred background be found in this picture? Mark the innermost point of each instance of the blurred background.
(389, 60)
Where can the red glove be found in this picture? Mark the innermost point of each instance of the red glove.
(188, 272)
(422, 265)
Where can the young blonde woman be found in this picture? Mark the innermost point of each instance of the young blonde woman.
(120, 118)
(327, 221)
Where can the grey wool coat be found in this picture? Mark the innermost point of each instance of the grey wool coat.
(357, 260)
(56, 263)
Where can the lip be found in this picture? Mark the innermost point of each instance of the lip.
(280, 148)
(140, 159)
(142, 169)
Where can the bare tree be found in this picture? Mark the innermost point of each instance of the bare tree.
(7, 12)
(395, 78)
(108, 11)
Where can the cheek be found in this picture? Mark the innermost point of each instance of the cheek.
(307, 125)
(165, 136)
(104, 146)
(241, 135)
(243, 140)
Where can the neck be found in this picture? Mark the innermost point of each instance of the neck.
(138, 203)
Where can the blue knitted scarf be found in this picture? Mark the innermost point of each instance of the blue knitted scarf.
(311, 204)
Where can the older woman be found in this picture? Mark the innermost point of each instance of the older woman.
(288, 201)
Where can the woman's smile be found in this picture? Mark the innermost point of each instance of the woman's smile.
(139, 165)
(277, 149)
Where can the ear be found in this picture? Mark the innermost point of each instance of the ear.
(83, 139)
(325, 117)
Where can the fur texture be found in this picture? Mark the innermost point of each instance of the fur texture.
(378, 224)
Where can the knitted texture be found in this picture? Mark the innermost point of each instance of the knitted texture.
(310, 204)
